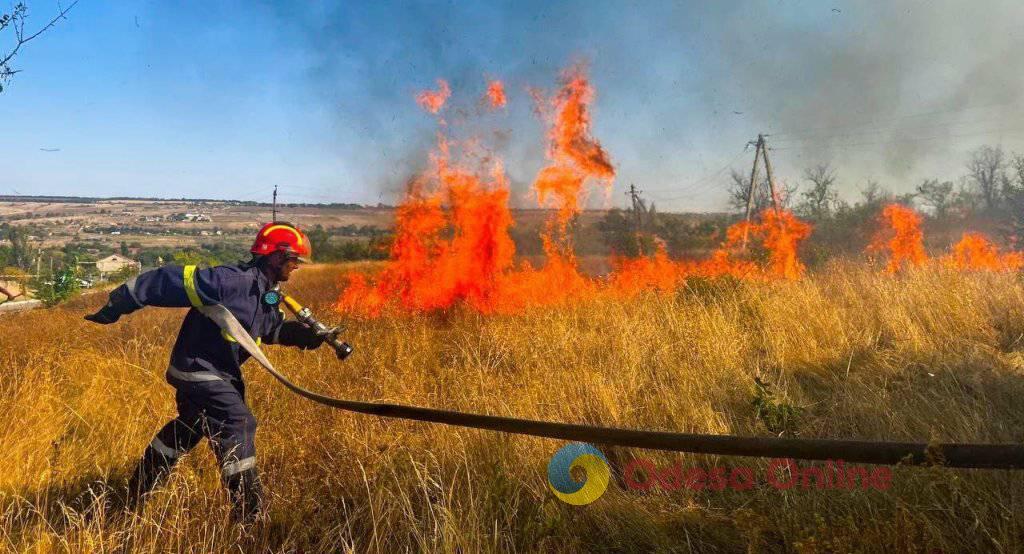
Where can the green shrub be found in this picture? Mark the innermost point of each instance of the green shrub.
(58, 287)
(778, 417)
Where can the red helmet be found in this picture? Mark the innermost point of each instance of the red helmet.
(282, 236)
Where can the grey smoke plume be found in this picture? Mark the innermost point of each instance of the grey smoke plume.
(897, 91)
(895, 86)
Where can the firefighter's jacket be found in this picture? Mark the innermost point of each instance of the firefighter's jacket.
(202, 351)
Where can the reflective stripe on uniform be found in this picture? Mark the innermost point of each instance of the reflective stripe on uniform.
(191, 290)
(193, 376)
(130, 285)
(239, 466)
(190, 286)
(162, 448)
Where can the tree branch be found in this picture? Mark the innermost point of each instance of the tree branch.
(59, 16)
(19, 29)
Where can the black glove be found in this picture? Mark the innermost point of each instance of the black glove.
(293, 333)
(105, 315)
(120, 303)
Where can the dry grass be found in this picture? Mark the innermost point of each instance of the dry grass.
(930, 355)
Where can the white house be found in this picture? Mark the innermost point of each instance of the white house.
(115, 263)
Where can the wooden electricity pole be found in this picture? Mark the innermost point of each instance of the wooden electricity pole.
(768, 171)
(760, 153)
(273, 217)
(750, 188)
(638, 206)
(634, 195)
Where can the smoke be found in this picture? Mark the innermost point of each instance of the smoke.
(890, 85)
(895, 91)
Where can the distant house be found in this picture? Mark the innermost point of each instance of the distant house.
(115, 263)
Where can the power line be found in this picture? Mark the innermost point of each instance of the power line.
(329, 199)
(305, 187)
(700, 181)
(253, 195)
(286, 194)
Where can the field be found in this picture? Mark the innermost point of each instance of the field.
(150, 223)
(105, 223)
(927, 354)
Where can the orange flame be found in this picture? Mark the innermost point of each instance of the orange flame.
(976, 252)
(780, 234)
(431, 268)
(783, 233)
(452, 245)
(496, 94)
(574, 156)
(574, 159)
(433, 101)
(901, 238)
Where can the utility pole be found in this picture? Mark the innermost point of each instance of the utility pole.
(273, 217)
(768, 170)
(638, 204)
(751, 190)
(760, 153)
(634, 195)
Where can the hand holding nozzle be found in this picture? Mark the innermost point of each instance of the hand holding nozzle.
(330, 334)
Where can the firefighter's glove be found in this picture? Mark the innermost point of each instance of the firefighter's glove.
(105, 315)
(293, 333)
(120, 303)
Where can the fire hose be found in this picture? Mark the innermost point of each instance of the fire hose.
(989, 456)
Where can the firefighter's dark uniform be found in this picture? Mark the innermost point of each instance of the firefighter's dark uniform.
(205, 369)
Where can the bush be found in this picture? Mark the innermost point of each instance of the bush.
(56, 288)
(778, 417)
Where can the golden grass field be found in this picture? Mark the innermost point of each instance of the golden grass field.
(931, 354)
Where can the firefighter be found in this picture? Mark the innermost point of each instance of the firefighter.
(205, 366)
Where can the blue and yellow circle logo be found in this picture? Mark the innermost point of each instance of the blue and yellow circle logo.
(593, 462)
(272, 298)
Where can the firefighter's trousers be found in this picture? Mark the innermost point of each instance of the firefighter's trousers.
(216, 410)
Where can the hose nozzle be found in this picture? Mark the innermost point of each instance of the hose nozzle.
(305, 316)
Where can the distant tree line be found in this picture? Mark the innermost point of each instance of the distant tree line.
(680, 235)
(373, 244)
(990, 193)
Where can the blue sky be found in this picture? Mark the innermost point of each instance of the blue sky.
(227, 99)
